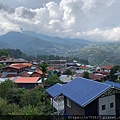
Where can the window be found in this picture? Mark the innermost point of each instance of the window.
(68, 102)
(103, 107)
(111, 105)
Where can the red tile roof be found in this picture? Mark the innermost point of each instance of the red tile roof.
(17, 66)
(26, 80)
(106, 67)
(103, 72)
(51, 68)
(39, 71)
(20, 65)
(27, 64)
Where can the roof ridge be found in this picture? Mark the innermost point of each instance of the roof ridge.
(93, 81)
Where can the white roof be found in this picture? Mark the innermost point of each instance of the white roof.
(65, 78)
(29, 73)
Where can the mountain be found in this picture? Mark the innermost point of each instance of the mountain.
(4, 45)
(56, 39)
(100, 54)
(32, 45)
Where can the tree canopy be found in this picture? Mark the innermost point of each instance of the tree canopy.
(19, 101)
(86, 74)
(53, 79)
(67, 72)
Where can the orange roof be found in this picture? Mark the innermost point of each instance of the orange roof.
(18, 66)
(51, 68)
(26, 80)
(39, 71)
(27, 64)
(107, 67)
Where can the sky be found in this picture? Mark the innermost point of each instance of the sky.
(94, 20)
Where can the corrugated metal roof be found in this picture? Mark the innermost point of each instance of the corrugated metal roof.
(116, 85)
(55, 90)
(65, 78)
(83, 91)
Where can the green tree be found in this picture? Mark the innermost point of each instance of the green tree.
(53, 79)
(3, 104)
(19, 101)
(1, 66)
(5, 87)
(10, 109)
(67, 72)
(14, 95)
(86, 74)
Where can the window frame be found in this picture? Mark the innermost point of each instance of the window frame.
(68, 102)
(103, 107)
(112, 105)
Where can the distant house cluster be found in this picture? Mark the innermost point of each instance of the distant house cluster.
(21, 68)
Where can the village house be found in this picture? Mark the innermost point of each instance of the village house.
(96, 76)
(15, 69)
(57, 64)
(36, 73)
(87, 97)
(106, 68)
(9, 60)
(26, 82)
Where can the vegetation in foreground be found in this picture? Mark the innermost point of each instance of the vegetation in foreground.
(19, 101)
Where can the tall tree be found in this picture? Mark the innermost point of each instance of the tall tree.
(43, 68)
(5, 87)
(53, 79)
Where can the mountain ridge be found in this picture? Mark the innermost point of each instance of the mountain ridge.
(105, 53)
(33, 45)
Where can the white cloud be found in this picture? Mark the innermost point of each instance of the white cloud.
(96, 20)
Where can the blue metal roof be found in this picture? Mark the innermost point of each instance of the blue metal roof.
(116, 85)
(83, 91)
(55, 90)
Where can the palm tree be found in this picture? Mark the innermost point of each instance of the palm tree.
(43, 68)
